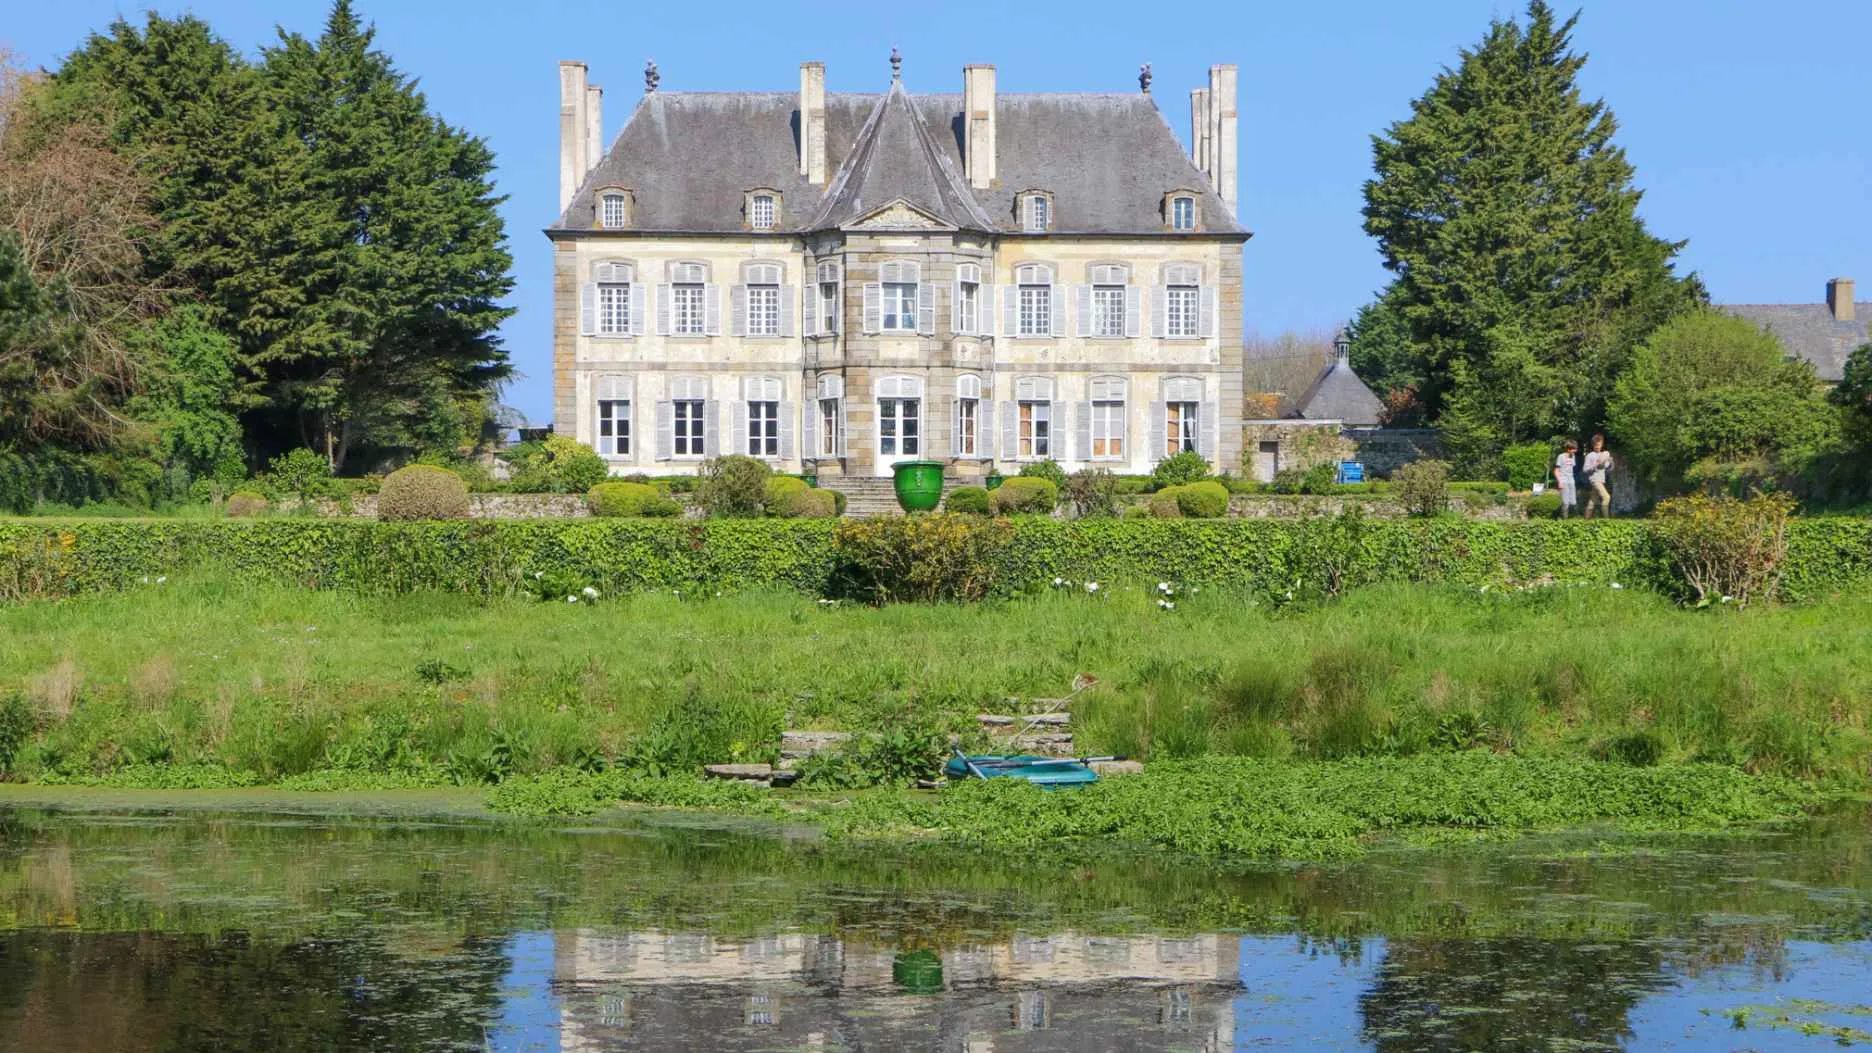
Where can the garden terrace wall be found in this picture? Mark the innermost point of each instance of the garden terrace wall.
(53, 558)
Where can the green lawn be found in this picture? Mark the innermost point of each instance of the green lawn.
(279, 681)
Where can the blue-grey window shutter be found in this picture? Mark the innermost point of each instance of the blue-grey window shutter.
(1010, 310)
(588, 309)
(785, 410)
(1208, 310)
(1160, 430)
(1082, 295)
(811, 307)
(873, 307)
(1206, 423)
(738, 313)
(665, 442)
(1082, 434)
(809, 427)
(637, 308)
(1010, 436)
(1134, 309)
(926, 308)
(789, 298)
(1160, 296)
(985, 428)
(1056, 308)
(711, 428)
(985, 309)
(711, 309)
(663, 308)
(737, 416)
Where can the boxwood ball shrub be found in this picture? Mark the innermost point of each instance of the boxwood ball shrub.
(1164, 504)
(807, 503)
(422, 491)
(1024, 494)
(778, 495)
(619, 499)
(1048, 469)
(969, 500)
(1186, 466)
(1544, 506)
(243, 503)
(1207, 499)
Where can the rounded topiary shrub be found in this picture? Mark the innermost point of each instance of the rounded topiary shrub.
(1164, 503)
(1204, 500)
(970, 499)
(1544, 506)
(1024, 494)
(243, 503)
(1185, 466)
(422, 491)
(838, 501)
(780, 492)
(620, 499)
(807, 503)
(1048, 469)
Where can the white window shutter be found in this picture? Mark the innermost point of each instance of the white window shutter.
(737, 416)
(1208, 310)
(1134, 294)
(809, 309)
(788, 300)
(873, 307)
(1056, 308)
(665, 427)
(955, 308)
(830, 323)
(926, 308)
(984, 309)
(663, 308)
(844, 426)
(1160, 295)
(1160, 430)
(636, 308)
(738, 310)
(588, 309)
(1010, 434)
(1082, 310)
(1206, 430)
(1010, 310)
(785, 411)
(1082, 433)
(955, 427)
(809, 427)
(711, 309)
(985, 429)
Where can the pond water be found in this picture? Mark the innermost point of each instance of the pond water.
(250, 930)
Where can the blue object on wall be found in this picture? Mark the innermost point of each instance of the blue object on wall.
(1351, 472)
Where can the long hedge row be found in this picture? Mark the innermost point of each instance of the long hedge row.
(51, 558)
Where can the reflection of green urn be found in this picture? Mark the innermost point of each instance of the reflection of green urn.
(918, 972)
(919, 484)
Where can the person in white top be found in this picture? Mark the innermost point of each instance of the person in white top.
(1597, 467)
(1566, 477)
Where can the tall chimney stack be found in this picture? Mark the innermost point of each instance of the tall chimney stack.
(574, 130)
(1199, 130)
(1840, 299)
(978, 115)
(1222, 133)
(594, 128)
(812, 144)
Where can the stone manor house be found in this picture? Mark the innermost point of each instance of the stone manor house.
(836, 282)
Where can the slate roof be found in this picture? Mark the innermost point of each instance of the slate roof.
(691, 157)
(1810, 331)
(1340, 395)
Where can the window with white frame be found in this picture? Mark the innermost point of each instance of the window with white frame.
(763, 299)
(1110, 289)
(761, 212)
(1033, 434)
(688, 429)
(900, 280)
(614, 416)
(831, 419)
(968, 416)
(968, 298)
(1034, 287)
(827, 275)
(763, 416)
(614, 298)
(1182, 421)
(689, 299)
(1108, 418)
(1183, 213)
(1182, 300)
(900, 417)
(613, 211)
(1036, 213)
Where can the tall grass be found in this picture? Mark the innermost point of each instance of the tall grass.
(280, 681)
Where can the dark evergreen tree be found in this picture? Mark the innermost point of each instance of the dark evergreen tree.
(1524, 274)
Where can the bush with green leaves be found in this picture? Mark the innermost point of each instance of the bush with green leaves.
(1321, 479)
(969, 500)
(1185, 466)
(1092, 492)
(777, 497)
(808, 503)
(619, 499)
(1724, 549)
(1288, 481)
(1544, 506)
(734, 487)
(422, 491)
(1164, 504)
(1024, 495)
(299, 473)
(922, 558)
(1206, 499)
(18, 722)
(1528, 463)
(559, 465)
(1422, 488)
(244, 503)
(1048, 469)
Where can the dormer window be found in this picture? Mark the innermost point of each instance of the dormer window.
(1036, 212)
(1183, 213)
(762, 214)
(613, 209)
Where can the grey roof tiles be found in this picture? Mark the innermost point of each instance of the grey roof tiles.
(1810, 331)
(1340, 395)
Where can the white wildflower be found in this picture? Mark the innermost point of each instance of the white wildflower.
(1057, 582)
(589, 593)
(1728, 599)
(1163, 586)
(1092, 586)
(146, 579)
(162, 579)
(1616, 585)
(538, 574)
(571, 599)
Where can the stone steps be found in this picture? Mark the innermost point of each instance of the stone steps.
(870, 496)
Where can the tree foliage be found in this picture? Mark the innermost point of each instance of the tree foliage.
(1509, 217)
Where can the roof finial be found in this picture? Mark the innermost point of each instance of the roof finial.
(651, 76)
(1144, 77)
(896, 64)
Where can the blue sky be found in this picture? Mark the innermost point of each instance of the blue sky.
(1747, 121)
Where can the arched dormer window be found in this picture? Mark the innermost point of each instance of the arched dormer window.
(614, 208)
(1036, 211)
(762, 208)
(1182, 210)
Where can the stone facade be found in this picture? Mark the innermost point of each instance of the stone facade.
(848, 391)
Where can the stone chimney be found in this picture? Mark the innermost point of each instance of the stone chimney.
(1840, 299)
(978, 115)
(574, 130)
(594, 127)
(1199, 129)
(812, 144)
(1222, 133)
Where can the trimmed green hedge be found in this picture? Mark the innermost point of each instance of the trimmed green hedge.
(41, 557)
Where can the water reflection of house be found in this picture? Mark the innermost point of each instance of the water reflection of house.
(679, 991)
